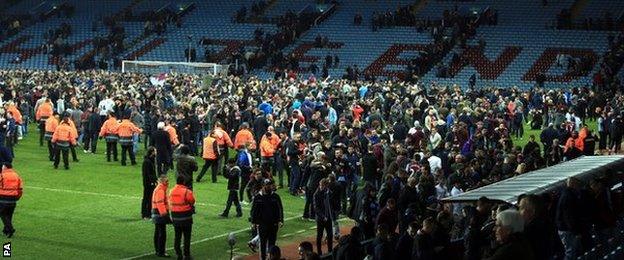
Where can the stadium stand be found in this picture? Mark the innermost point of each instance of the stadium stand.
(517, 49)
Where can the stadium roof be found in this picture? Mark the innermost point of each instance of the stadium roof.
(542, 180)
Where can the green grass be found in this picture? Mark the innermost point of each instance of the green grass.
(92, 211)
(591, 124)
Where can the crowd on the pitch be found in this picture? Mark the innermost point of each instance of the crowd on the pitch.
(381, 153)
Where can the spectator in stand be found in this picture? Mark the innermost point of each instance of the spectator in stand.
(568, 218)
(509, 237)
(537, 229)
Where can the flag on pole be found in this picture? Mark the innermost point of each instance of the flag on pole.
(159, 80)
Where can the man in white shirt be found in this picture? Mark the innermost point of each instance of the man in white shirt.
(435, 163)
(106, 106)
(457, 209)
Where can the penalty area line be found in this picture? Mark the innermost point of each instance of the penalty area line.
(129, 197)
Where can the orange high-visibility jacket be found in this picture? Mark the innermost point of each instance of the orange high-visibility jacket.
(64, 133)
(210, 148)
(244, 136)
(109, 127)
(173, 134)
(44, 111)
(159, 199)
(268, 146)
(51, 124)
(16, 114)
(571, 142)
(127, 129)
(10, 186)
(181, 201)
(223, 138)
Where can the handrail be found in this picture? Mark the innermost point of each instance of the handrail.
(325, 14)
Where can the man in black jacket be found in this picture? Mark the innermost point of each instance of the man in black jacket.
(568, 218)
(194, 129)
(92, 128)
(292, 155)
(536, 228)
(404, 246)
(318, 170)
(164, 150)
(547, 136)
(423, 243)
(267, 216)
(324, 216)
(186, 165)
(149, 182)
(233, 174)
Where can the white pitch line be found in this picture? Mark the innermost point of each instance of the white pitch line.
(204, 240)
(130, 197)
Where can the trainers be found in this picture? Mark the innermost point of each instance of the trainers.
(85, 151)
(223, 215)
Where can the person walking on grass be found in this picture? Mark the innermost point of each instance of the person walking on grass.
(160, 215)
(127, 130)
(182, 207)
(210, 154)
(324, 215)
(108, 131)
(233, 173)
(267, 216)
(149, 181)
(186, 165)
(63, 137)
(10, 193)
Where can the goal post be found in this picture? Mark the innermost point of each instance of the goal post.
(156, 67)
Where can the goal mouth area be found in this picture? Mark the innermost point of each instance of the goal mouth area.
(157, 67)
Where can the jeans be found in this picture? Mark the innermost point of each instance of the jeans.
(323, 226)
(308, 208)
(6, 213)
(160, 238)
(146, 202)
(25, 126)
(135, 143)
(57, 156)
(182, 231)
(233, 198)
(90, 141)
(571, 244)
(268, 236)
(127, 149)
(245, 174)
(213, 164)
(295, 175)
(111, 148)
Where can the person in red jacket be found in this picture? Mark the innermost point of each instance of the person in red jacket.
(10, 193)
(160, 215)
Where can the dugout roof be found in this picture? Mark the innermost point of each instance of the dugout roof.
(542, 180)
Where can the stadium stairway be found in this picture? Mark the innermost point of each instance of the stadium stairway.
(538, 45)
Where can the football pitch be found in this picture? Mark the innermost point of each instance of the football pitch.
(92, 211)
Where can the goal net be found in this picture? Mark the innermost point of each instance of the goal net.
(157, 67)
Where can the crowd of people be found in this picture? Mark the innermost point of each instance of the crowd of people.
(382, 153)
